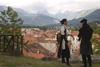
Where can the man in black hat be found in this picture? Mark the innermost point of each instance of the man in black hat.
(85, 34)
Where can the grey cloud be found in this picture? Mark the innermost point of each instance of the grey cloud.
(71, 5)
(80, 5)
(39, 6)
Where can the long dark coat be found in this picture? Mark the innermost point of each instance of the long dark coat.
(85, 33)
(67, 51)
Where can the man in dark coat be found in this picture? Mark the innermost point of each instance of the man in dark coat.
(85, 34)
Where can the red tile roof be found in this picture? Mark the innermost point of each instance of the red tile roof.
(29, 32)
(27, 38)
(43, 36)
(46, 35)
(96, 35)
(51, 35)
(75, 33)
(22, 31)
(32, 35)
(49, 41)
(34, 47)
(51, 31)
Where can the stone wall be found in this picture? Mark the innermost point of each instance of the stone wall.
(75, 59)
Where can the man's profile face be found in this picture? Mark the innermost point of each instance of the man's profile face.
(82, 22)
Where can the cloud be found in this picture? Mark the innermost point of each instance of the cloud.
(53, 6)
(37, 6)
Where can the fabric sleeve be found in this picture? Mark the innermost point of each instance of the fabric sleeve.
(80, 34)
(68, 33)
(62, 30)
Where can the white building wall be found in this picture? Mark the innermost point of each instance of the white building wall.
(49, 46)
(75, 43)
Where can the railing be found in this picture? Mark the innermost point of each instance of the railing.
(11, 38)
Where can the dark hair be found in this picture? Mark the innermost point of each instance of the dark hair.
(62, 21)
(84, 20)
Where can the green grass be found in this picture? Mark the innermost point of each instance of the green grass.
(7, 60)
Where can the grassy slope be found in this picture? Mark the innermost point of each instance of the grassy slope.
(24, 61)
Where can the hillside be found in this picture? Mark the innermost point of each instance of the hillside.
(93, 17)
(37, 19)
(69, 14)
(7, 60)
(33, 19)
(44, 18)
(81, 14)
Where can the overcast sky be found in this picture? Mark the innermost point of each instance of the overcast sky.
(52, 6)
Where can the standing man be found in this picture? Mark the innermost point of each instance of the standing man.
(85, 34)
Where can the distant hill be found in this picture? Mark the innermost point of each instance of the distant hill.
(33, 19)
(42, 18)
(16, 9)
(80, 14)
(93, 17)
(69, 14)
(60, 15)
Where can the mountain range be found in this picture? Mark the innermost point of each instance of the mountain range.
(93, 17)
(68, 14)
(42, 18)
(33, 19)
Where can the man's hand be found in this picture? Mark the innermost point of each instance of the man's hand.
(79, 39)
(58, 45)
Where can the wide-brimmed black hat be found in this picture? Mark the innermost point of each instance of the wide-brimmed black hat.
(84, 20)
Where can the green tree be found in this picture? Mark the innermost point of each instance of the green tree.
(96, 43)
(10, 24)
(94, 40)
(94, 26)
(97, 31)
(9, 19)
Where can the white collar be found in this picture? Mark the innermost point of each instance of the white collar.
(64, 25)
